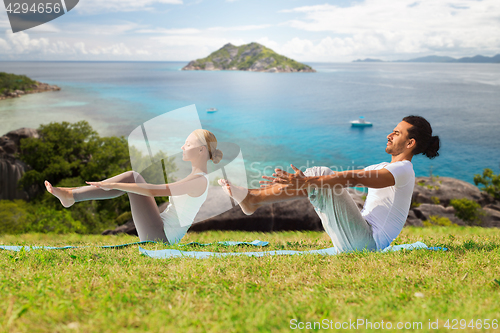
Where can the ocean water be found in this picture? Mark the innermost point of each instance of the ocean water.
(278, 119)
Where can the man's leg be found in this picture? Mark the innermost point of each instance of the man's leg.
(340, 216)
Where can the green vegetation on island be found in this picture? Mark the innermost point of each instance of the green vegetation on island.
(249, 57)
(12, 85)
(12, 82)
(490, 182)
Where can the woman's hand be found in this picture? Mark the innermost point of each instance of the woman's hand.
(104, 186)
(293, 181)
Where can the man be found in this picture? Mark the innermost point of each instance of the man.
(390, 187)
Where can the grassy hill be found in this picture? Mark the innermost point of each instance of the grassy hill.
(118, 290)
(250, 57)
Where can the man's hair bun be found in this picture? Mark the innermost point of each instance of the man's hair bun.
(432, 149)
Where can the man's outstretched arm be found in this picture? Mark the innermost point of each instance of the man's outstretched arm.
(351, 178)
(367, 178)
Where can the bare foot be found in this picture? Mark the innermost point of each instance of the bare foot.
(242, 196)
(65, 195)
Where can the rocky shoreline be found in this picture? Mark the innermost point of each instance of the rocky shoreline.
(258, 66)
(36, 88)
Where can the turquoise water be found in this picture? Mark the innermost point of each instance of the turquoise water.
(277, 119)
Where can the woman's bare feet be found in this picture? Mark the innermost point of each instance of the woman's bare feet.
(65, 195)
(243, 196)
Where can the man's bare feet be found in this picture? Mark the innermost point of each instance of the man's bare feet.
(65, 195)
(242, 196)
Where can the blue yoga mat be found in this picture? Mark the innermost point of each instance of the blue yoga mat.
(28, 248)
(169, 253)
(165, 254)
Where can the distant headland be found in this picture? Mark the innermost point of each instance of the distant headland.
(12, 85)
(252, 57)
(479, 59)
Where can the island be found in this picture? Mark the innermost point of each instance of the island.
(12, 86)
(252, 57)
(479, 59)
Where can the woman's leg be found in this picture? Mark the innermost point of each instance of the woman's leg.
(68, 196)
(147, 218)
(94, 193)
(144, 210)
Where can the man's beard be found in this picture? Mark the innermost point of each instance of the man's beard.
(393, 150)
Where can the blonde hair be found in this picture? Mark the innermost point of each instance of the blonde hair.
(208, 138)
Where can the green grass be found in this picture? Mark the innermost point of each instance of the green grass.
(97, 290)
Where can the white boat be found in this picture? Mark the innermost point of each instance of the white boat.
(361, 122)
(211, 110)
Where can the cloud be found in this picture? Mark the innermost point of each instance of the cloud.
(193, 31)
(385, 29)
(21, 44)
(119, 49)
(195, 41)
(99, 6)
(241, 28)
(4, 20)
(403, 26)
(268, 43)
(188, 47)
(46, 27)
(182, 31)
(103, 29)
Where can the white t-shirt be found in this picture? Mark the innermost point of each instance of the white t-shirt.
(386, 209)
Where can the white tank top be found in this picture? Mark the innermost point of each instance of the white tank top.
(180, 213)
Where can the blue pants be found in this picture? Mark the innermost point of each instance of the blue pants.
(340, 216)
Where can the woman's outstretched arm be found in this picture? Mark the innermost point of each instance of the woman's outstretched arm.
(193, 186)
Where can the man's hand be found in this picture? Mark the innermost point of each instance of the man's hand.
(293, 181)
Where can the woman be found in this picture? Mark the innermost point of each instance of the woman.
(200, 146)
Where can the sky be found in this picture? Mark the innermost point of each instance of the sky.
(307, 31)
